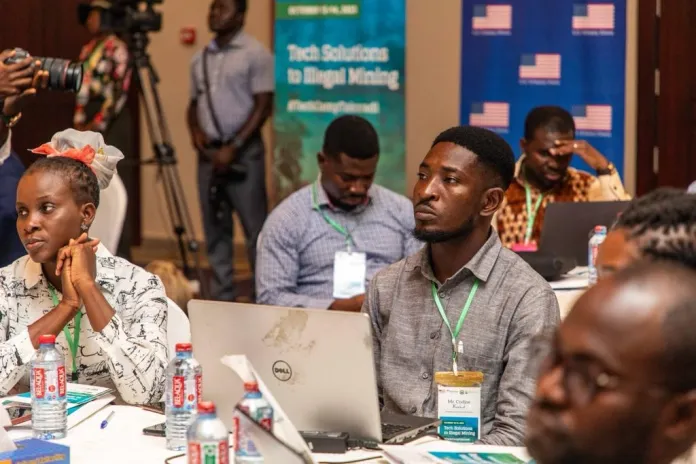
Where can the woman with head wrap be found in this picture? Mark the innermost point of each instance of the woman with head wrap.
(109, 316)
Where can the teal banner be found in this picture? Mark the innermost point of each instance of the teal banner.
(335, 58)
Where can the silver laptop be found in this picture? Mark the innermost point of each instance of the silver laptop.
(318, 364)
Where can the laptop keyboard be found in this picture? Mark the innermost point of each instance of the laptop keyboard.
(390, 430)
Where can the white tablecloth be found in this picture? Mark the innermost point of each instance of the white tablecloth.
(123, 441)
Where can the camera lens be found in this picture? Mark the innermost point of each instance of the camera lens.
(62, 74)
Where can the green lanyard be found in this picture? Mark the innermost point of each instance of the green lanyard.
(73, 343)
(531, 213)
(462, 316)
(329, 220)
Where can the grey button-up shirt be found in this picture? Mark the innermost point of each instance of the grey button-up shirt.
(296, 249)
(236, 73)
(512, 305)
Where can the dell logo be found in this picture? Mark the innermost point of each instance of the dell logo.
(282, 371)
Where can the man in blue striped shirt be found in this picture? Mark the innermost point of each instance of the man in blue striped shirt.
(318, 231)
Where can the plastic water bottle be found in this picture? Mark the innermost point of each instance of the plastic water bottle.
(208, 439)
(184, 384)
(49, 417)
(262, 413)
(600, 233)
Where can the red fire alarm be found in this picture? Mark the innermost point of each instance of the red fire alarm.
(188, 35)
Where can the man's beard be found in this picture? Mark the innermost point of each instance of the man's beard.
(439, 236)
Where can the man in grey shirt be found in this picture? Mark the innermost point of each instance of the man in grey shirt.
(341, 211)
(461, 184)
(232, 85)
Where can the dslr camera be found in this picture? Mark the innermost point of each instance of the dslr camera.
(63, 74)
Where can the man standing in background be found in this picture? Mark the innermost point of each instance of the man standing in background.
(232, 86)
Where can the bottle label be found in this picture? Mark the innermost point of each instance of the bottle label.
(49, 385)
(244, 446)
(185, 392)
(208, 452)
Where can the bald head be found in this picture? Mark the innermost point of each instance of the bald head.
(646, 314)
(620, 385)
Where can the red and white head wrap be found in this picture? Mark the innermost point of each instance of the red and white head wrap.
(87, 147)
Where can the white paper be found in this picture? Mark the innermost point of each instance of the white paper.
(6, 443)
(349, 274)
(282, 426)
(574, 280)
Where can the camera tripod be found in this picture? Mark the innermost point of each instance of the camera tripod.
(146, 79)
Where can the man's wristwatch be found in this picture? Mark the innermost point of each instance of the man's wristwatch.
(608, 171)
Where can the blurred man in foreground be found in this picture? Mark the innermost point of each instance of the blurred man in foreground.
(617, 383)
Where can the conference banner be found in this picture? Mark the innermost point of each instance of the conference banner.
(335, 58)
(518, 54)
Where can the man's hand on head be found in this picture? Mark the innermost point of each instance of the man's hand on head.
(584, 150)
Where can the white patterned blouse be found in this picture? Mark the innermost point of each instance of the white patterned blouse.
(130, 354)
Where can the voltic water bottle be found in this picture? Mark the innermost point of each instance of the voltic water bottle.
(49, 417)
(184, 384)
(208, 438)
(261, 412)
(600, 233)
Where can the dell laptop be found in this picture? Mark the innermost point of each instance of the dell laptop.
(318, 365)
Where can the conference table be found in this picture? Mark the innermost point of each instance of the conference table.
(569, 288)
(122, 441)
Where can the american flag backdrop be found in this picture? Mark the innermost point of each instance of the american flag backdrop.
(592, 117)
(490, 114)
(540, 66)
(566, 53)
(492, 17)
(593, 16)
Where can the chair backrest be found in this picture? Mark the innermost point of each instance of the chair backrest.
(108, 224)
(178, 327)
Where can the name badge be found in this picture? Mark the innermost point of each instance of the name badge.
(350, 269)
(459, 405)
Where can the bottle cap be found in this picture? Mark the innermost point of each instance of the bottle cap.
(251, 386)
(206, 407)
(46, 339)
(183, 347)
(600, 230)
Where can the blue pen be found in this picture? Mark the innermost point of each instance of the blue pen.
(105, 422)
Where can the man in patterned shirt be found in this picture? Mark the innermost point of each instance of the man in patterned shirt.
(341, 225)
(543, 176)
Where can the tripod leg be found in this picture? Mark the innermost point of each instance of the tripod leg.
(177, 207)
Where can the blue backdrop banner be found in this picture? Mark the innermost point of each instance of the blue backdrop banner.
(518, 54)
(332, 58)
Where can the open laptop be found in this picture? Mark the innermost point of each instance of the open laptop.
(565, 235)
(568, 226)
(318, 364)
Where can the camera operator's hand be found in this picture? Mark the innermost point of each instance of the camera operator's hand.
(17, 77)
(224, 157)
(14, 105)
(18, 81)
